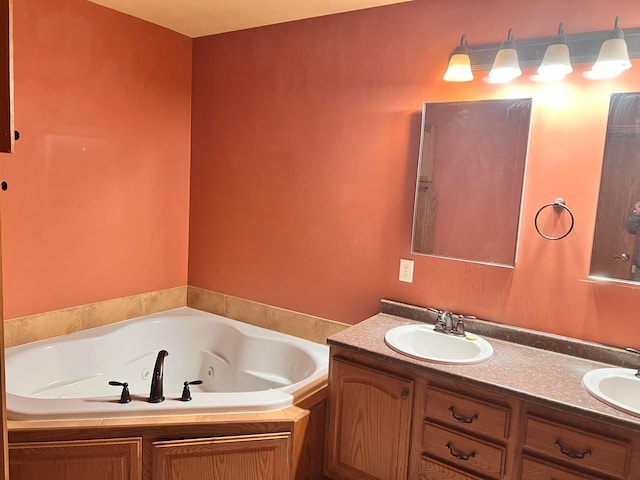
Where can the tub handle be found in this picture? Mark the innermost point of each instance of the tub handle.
(125, 396)
(186, 393)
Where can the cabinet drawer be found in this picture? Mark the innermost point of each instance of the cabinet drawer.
(533, 469)
(433, 470)
(577, 447)
(468, 413)
(462, 450)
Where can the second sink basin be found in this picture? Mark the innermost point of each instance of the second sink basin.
(617, 387)
(421, 341)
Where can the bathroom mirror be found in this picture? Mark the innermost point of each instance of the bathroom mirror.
(614, 247)
(470, 177)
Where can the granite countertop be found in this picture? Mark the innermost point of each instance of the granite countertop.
(530, 373)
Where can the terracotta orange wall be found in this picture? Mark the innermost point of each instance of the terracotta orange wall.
(98, 198)
(305, 143)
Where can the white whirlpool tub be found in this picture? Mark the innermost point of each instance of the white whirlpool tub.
(243, 368)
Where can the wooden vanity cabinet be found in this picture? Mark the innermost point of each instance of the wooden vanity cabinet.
(369, 420)
(459, 432)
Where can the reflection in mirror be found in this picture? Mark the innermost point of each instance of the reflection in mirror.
(470, 177)
(615, 251)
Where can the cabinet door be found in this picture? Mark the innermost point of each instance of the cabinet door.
(255, 457)
(4, 453)
(110, 459)
(6, 117)
(369, 423)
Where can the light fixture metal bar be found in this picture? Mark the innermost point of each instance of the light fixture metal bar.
(584, 48)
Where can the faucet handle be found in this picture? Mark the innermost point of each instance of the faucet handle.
(441, 324)
(186, 393)
(458, 328)
(125, 396)
(633, 350)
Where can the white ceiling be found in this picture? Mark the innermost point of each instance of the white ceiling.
(197, 18)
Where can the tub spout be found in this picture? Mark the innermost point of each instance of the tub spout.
(156, 395)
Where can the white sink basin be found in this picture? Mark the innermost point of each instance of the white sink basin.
(618, 387)
(421, 341)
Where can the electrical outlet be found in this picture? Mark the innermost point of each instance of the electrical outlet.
(406, 270)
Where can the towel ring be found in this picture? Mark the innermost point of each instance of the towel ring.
(558, 205)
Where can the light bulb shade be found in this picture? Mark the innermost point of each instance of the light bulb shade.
(556, 62)
(459, 69)
(613, 57)
(506, 66)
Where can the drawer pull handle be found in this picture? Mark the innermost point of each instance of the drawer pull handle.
(458, 455)
(570, 453)
(460, 418)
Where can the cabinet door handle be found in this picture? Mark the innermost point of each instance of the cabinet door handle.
(460, 418)
(458, 455)
(404, 394)
(571, 453)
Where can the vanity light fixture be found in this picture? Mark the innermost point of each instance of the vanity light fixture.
(556, 63)
(609, 51)
(459, 69)
(613, 58)
(506, 66)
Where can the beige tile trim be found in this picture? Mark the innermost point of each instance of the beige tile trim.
(310, 327)
(61, 322)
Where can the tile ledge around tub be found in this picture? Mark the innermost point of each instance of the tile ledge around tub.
(522, 336)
